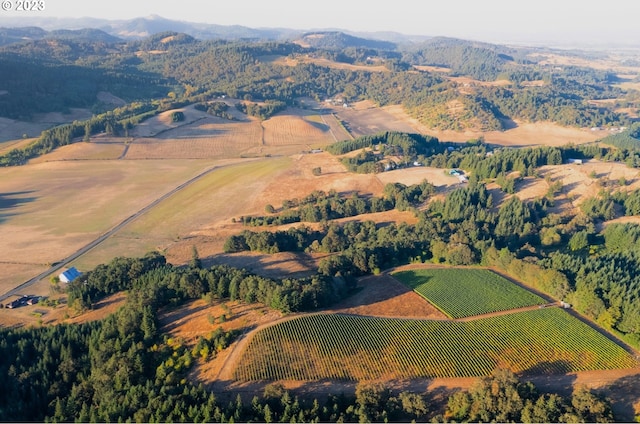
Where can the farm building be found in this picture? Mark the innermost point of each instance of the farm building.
(69, 275)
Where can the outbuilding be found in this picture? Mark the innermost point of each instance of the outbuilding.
(69, 275)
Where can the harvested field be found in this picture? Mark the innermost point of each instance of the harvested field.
(288, 61)
(13, 129)
(277, 265)
(104, 150)
(523, 134)
(366, 119)
(296, 131)
(6, 146)
(207, 138)
(199, 215)
(333, 176)
(383, 296)
(50, 210)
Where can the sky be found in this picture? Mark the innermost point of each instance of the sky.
(485, 20)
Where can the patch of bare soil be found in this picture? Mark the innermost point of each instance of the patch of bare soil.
(287, 61)
(415, 175)
(298, 181)
(75, 114)
(83, 151)
(365, 119)
(384, 296)
(277, 265)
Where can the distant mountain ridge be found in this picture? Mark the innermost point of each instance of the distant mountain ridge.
(26, 34)
(145, 26)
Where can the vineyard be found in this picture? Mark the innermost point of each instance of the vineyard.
(465, 292)
(347, 347)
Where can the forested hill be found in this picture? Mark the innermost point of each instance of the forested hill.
(481, 61)
(25, 34)
(68, 69)
(339, 40)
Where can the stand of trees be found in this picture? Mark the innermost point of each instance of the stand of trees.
(320, 206)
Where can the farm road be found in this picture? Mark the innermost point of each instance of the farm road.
(64, 262)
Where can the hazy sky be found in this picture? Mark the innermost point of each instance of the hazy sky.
(491, 20)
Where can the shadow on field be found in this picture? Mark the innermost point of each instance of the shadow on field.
(549, 368)
(560, 384)
(625, 398)
(9, 201)
(170, 319)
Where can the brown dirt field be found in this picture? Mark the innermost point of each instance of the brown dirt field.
(432, 68)
(384, 296)
(12, 129)
(54, 118)
(108, 98)
(611, 62)
(277, 265)
(471, 82)
(290, 132)
(366, 119)
(334, 176)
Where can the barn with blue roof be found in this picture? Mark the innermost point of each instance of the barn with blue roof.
(69, 275)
